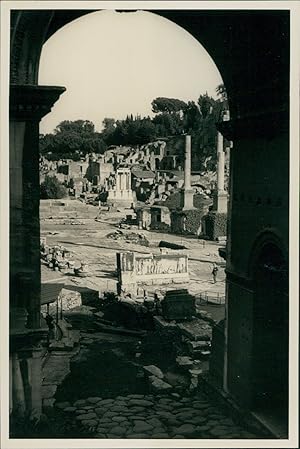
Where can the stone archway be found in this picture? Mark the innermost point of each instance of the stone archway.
(270, 350)
(251, 50)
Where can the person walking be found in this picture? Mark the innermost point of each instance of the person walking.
(214, 273)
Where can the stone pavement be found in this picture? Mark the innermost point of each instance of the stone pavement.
(154, 416)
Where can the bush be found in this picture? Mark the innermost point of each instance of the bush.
(216, 225)
(51, 188)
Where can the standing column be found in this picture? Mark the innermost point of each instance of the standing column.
(28, 104)
(220, 195)
(188, 193)
(187, 163)
(221, 164)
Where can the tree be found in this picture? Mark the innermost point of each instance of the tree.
(192, 117)
(70, 138)
(163, 104)
(51, 188)
(206, 104)
(82, 127)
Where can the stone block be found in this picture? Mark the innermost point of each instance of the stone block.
(157, 385)
(153, 370)
(184, 362)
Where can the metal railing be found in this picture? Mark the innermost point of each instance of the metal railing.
(210, 297)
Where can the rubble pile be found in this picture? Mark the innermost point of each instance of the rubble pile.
(130, 237)
(56, 257)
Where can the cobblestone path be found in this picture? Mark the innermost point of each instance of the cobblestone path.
(153, 416)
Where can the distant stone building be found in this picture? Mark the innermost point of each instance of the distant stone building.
(118, 187)
(99, 171)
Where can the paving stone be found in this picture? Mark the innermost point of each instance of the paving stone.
(175, 395)
(107, 425)
(140, 403)
(121, 398)
(212, 423)
(217, 417)
(137, 418)
(198, 420)
(165, 414)
(118, 408)
(120, 403)
(137, 435)
(141, 426)
(164, 407)
(89, 422)
(126, 424)
(155, 422)
(88, 407)
(135, 396)
(218, 431)
(186, 429)
(160, 435)
(228, 422)
(200, 405)
(100, 435)
(105, 401)
(62, 405)
(105, 420)
(70, 409)
(184, 409)
(110, 414)
(177, 437)
(86, 416)
(80, 403)
(203, 428)
(245, 434)
(118, 431)
(100, 411)
(93, 400)
(184, 417)
(80, 411)
(173, 422)
(118, 418)
(185, 400)
(137, 409)
(101, 429)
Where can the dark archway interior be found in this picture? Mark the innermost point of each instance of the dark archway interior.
(270, 333)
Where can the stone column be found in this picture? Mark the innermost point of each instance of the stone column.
(221, 164)
(220, 195)
(188, 193)
(28, 104)
(17, 388)
(187, 163)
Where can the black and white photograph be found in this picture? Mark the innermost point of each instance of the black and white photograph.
(149, 224)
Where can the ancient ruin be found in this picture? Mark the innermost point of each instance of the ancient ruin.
(148, 269)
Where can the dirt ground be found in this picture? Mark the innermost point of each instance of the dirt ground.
(88, 243)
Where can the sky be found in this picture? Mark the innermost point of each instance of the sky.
(115, 64)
